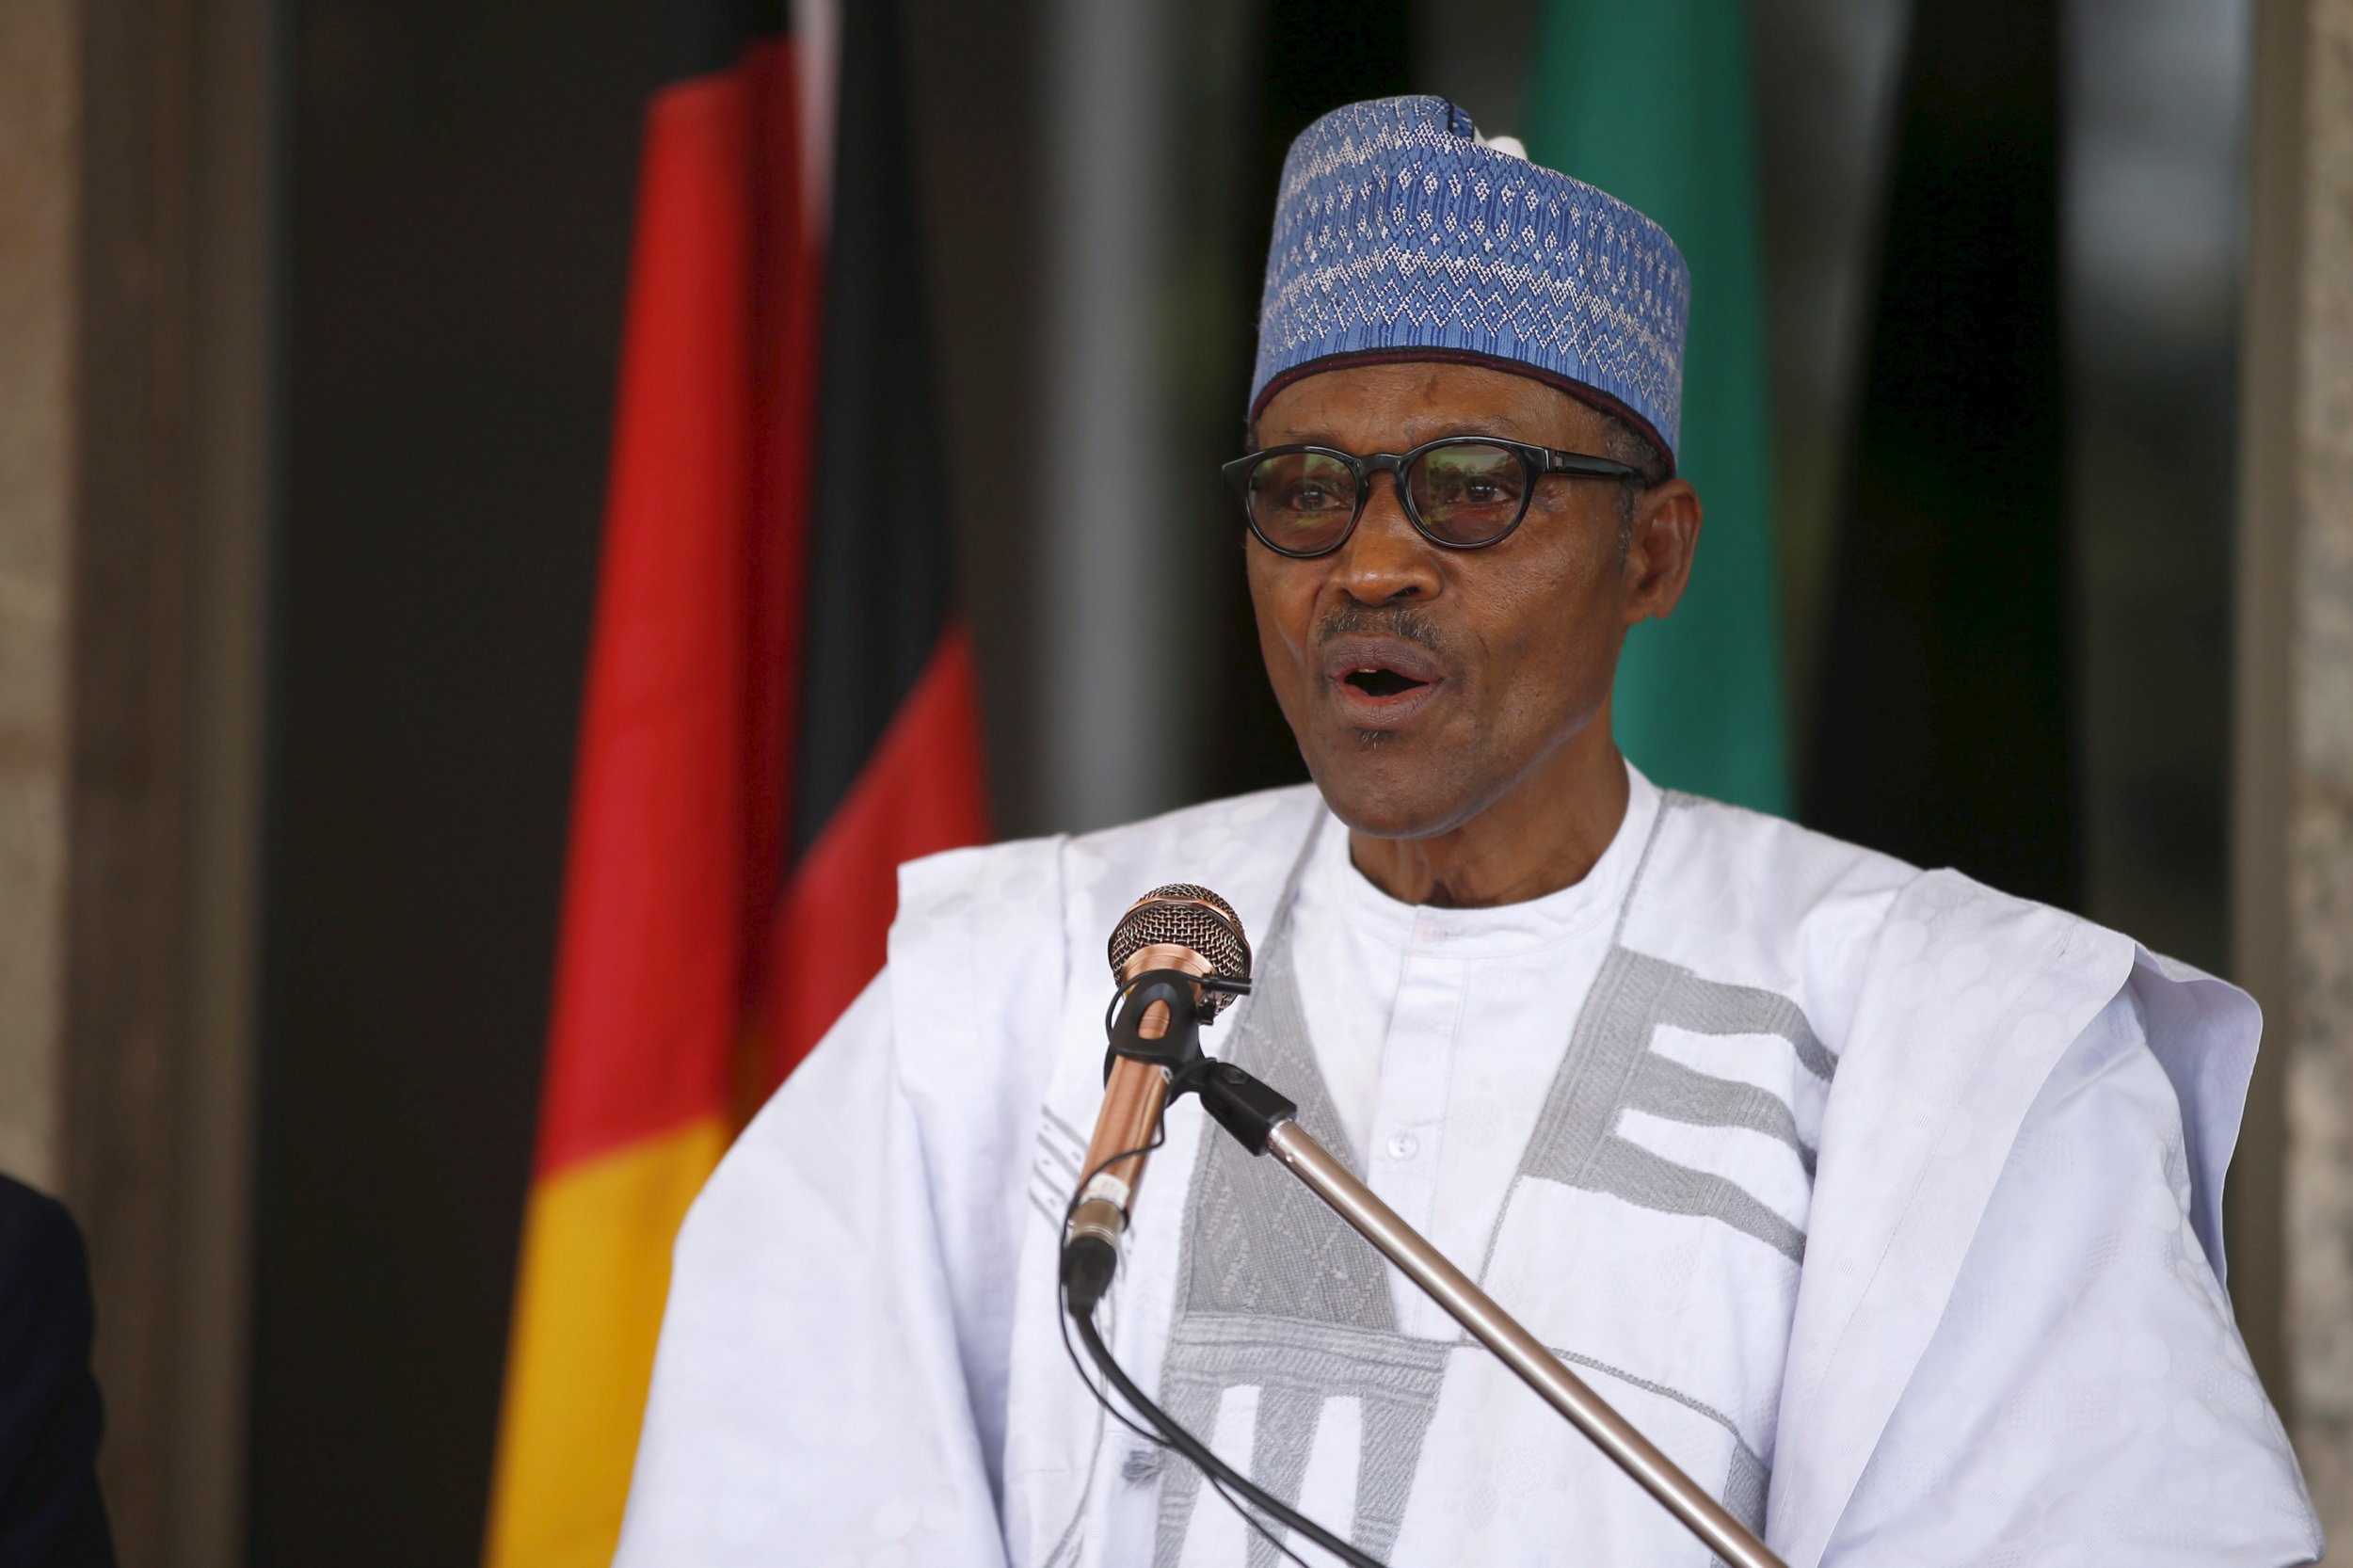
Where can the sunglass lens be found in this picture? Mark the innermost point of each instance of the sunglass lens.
(1302, 502)
(1468, 492)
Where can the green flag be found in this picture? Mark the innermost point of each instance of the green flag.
(1650, 103)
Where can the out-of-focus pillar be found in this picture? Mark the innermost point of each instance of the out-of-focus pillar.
(1144, 125)
(137, 173)
(2294, 838)
(1113, 700)
(39, 170)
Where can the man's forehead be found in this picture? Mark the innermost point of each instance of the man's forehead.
(1414, 401)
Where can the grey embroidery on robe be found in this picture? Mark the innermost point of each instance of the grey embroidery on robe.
(1054, 1166)
(1276, 1293)
(1744, 1495)
(1610, 1068)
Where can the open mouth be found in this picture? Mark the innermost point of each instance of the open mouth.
(1375, 681)
(1380, 682)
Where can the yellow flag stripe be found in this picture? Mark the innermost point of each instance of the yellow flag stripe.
(588, 1300)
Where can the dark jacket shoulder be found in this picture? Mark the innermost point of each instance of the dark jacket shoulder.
(50, 1412)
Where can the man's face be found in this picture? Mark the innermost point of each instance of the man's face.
(1424, 684)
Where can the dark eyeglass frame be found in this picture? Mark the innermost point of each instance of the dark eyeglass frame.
(1535, 462)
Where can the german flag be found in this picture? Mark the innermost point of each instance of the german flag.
(780, 708)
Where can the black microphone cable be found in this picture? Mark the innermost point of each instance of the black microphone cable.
(1172, 1434)
(1079, 1372)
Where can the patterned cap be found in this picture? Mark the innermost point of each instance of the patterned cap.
(1400, 236)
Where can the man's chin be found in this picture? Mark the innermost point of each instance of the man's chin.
(1377, 800)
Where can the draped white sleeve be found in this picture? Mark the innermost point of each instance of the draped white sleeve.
(2084, 1398)
(811, 1402)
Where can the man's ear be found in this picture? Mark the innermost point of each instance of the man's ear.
(1665, 537)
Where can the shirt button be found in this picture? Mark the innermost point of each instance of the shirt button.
(1404, 1146)
(1429, 931)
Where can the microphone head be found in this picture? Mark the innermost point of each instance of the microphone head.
(1193, 921)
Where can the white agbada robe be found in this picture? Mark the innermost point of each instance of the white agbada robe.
(1888, 1206)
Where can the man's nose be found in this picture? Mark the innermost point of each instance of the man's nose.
(1385, 558)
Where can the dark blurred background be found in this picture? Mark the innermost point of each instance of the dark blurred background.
(378, 247)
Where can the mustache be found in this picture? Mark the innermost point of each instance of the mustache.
(1401, 622)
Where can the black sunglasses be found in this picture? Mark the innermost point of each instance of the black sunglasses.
(1464, 493)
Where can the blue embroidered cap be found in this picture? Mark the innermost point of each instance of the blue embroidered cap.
(1400, 236)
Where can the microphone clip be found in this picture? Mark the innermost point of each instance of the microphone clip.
(1156, 1019)
(1205, 1009)
(1240, 1103)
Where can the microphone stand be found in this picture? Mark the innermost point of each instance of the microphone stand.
(1264, 1122)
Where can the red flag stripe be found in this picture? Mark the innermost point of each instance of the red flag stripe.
(922, 791)
(646, 975)
(782, 324)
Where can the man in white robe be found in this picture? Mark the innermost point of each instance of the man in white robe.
(1887, 1205)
